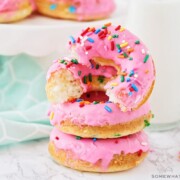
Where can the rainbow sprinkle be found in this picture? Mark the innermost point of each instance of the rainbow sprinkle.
(107, 108)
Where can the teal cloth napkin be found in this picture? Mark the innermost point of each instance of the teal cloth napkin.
(23, 104)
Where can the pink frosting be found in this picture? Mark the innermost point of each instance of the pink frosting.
(92, 151)
(12, 5)
(84, 115)
(128, 52)
(75, 68)
(89, 8)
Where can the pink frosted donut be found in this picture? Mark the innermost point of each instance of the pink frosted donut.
(98, 155)
(115, 46)
(88, 117)
(76, 9)
(14, 10)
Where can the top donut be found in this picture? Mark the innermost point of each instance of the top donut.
(107, 58)
(115, 46)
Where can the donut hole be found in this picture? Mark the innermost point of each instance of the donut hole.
(92, 96)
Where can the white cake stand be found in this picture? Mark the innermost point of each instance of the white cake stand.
(41, 36)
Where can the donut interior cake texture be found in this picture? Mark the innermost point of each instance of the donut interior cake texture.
(82, 10)
(15, 10)
(98, 98)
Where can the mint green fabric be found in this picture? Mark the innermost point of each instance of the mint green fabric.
(23, 104)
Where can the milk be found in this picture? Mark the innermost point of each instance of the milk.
(157, 23)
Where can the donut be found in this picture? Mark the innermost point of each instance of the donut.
(98, 155)
(15, 10)
(93, 116)
(76, 9)
(115, 46)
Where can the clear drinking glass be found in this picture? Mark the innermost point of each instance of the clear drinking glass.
(157, 23)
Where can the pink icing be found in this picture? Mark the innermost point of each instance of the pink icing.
(139, 61)
(12, 5)
(92, 151)
(74, 68)
(84, 115)
(89, 8)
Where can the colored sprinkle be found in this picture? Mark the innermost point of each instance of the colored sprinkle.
(72, 39)
(115, 36)
(116, 141)
(78, 137)
(85, 31)
(112, 45)
(131, 73)
(125, 55)
(146, 58)
(57, 138)
(143, 51)
(122, 29)
(119, 50)
(124, 45)
(117, 135)
(72, 9)
(75, 61)
(114, 84)
(53, 6)
(62, 61)
(139, 153)
(79, 73)
(122, 78)
(109, 38)
(85, 79)
(101, 79)
(146, 123)
(120, 56)
(97, 66)
(79, 100)
(94, 139)
(118, 46)
(78, 40)
(118, 28)
(90, 40)
(95, 102)
(97, 31)
(107, 108)
(128, 79)
(90, 77)
(134, 87)
(51, 116)
(81, 104)
(137, 42)
(104, 27)
(88, 48)
(130, 50)
(101, 33)
(130, 58)
(108, 24)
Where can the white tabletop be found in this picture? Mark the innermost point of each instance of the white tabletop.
(31, 161)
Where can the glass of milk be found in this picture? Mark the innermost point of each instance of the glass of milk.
(157, 23)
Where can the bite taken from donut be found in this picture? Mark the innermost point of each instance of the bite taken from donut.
(109, 59)
(81, 10)
(98, 155)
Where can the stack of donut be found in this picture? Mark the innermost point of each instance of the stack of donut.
(99, 102)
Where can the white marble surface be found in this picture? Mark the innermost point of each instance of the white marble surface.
(31, 161)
